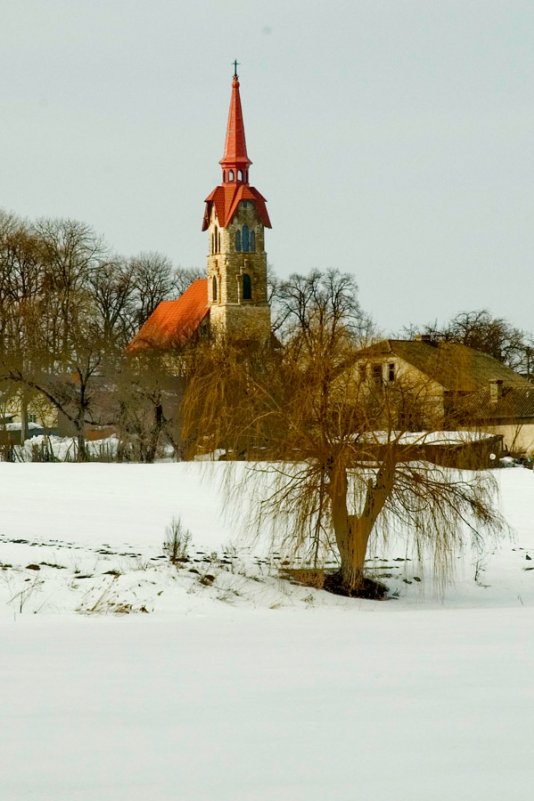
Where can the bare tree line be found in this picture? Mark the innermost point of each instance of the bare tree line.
(68, 308)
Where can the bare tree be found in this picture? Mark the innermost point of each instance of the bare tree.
(331, 452)
(153, 281)
(113, 295)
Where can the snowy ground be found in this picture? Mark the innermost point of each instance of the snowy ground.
(224, 681)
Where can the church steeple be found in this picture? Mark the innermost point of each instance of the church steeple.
(235, 161)
(236, 218)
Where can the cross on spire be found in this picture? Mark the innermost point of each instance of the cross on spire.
(235, 63)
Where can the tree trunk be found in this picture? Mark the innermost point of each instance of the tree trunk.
(152, 447)
(352, 532)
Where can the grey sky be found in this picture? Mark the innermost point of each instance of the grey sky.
(392, 138)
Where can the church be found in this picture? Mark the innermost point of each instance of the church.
(231, 301)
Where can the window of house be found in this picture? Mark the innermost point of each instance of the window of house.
(238, 240)
(391, 371)
(247, 287)
(253, 241)
(377, 373)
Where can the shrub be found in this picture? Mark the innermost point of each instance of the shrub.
(177, 541)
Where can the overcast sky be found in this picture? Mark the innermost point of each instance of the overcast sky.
(392, 138)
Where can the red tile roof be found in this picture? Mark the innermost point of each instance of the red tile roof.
(226, 199)
(174, 321)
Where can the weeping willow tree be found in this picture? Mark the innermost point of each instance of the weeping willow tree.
(332, 452)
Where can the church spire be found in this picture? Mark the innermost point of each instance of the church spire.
(235, 162)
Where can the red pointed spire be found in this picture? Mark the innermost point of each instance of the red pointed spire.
(235, 162)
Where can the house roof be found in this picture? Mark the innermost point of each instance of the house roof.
(174, 321)
(455, 367)
(516, 403)
(226, 198)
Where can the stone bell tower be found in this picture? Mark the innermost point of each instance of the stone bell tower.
(235, 219)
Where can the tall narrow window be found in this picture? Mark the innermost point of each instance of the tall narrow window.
(238, 240)
(377, 374)
(247, 287)
(231, 175)
(215, 242)
(253, 241)
(214, 288)
(245, 242)
(239, 175)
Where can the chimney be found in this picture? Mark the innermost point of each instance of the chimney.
(496, 390)
(428, 339)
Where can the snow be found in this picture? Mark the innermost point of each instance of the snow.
(246, 687)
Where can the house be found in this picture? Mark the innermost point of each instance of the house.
(458, 387)
(510, 412)
(232, 300)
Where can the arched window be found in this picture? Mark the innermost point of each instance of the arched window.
(238, 240)
(218, 241)
(214, 288)
(247, 287)
(215, 240)
(231, 175)
(239, 175)
(245, 242)
(253, 241)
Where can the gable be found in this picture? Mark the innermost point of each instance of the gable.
(226, 198)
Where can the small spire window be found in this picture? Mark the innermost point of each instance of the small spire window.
(231, 175)
(239, 175)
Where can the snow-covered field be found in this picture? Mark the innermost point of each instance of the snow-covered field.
(126, 678)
